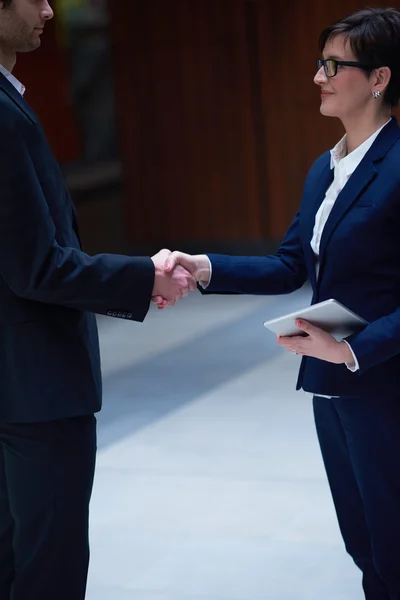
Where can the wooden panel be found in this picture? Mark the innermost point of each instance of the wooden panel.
(186, 120)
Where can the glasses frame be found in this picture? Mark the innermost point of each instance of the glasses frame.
(321, 62)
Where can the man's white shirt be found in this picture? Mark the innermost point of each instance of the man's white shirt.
(13, 80)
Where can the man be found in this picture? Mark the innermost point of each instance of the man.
(50, 382)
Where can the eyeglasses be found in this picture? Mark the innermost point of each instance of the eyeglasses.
(331, 65)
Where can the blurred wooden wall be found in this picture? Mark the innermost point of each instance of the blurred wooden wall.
(218, 114)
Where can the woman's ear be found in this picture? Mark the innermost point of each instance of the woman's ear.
(382, 77)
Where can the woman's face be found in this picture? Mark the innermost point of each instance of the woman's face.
(349, 92)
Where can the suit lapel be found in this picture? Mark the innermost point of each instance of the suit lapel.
(8, 88)
(359, 181)
(311, 205)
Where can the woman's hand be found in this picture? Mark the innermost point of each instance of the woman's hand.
(317, 343)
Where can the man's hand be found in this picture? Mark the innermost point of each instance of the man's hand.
(317, 343)
(169, 287)
(198, 265)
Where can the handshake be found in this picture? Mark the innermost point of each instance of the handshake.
(176, 275)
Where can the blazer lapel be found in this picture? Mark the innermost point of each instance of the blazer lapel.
(8, 88)
(311, 205)
(359, 181)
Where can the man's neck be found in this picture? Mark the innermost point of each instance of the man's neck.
(8, 60)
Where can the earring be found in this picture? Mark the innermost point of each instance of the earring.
(376, 94)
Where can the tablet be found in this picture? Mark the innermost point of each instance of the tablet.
(329, 315)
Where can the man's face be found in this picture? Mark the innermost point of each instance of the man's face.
(22, 23)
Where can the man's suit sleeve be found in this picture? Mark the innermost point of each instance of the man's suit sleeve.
(281, 273)
(36, 267)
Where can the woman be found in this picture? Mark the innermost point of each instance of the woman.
(346, 240)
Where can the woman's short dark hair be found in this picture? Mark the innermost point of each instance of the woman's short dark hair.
(374, 37)
(6, 3)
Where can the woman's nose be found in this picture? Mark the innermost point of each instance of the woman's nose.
(320, 76)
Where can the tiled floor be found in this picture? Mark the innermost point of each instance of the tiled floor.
(209, 481)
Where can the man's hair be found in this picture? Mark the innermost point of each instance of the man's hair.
(374, 37)
(6, 3)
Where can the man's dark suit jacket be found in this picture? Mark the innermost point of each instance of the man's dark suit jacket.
(359, 266)
(49, 288)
